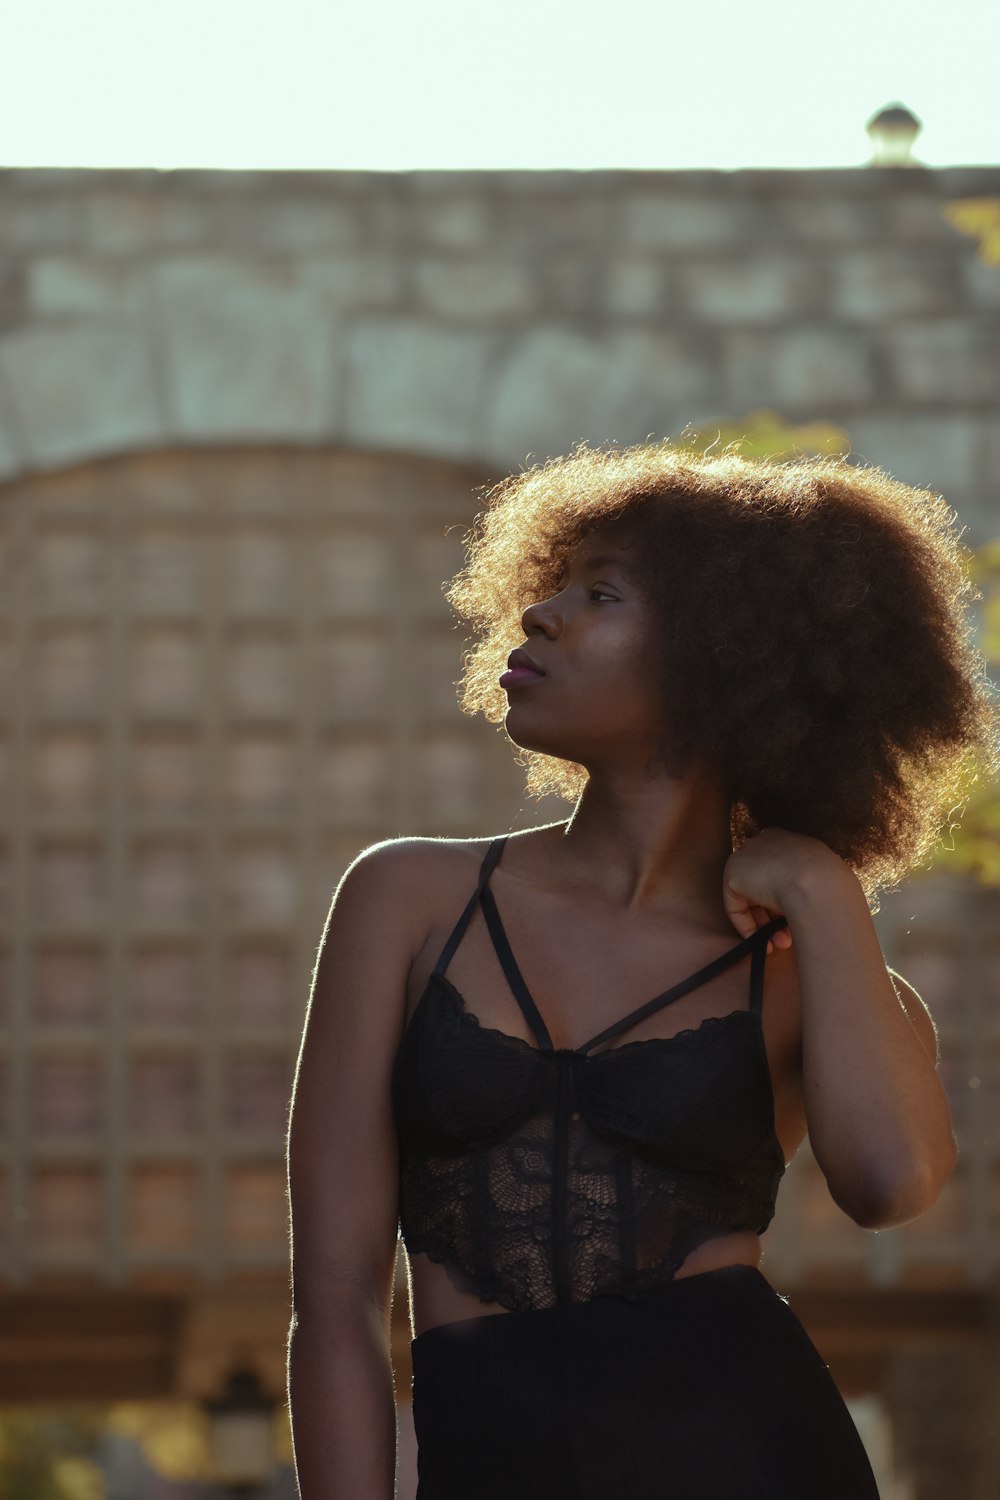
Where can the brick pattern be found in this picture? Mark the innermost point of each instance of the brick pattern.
(234, 673)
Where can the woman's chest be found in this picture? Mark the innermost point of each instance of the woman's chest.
(702, 1045)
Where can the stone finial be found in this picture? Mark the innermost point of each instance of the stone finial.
(892, 132)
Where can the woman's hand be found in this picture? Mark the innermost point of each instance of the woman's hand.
(758, 874)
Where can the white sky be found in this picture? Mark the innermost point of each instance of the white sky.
(403, 84)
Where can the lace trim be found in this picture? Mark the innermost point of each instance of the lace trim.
(488, 1289)
(485, 1289)
(707, 1023)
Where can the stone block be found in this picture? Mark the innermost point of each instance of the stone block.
(443, 182)
(383, 217)
(13, 309)
(829, 221)
(637, 287)
(71, 284)
(889, 282)
(979, 513)
(474, 288)
(919, 218)
(948, 361)
(557, 387)
(53, 181)
(531, 222)
(573, 285)
(277, 224)
(744, 289)
(654, 222)
(943, 452)
(215, 183)
(807, 182)
(40, 223)
(78, 392)
(126, 221)
(799, 369)
(993, 464)
(353, 282)
(555, 183)
(546, 397)
(246, 349)
(969, 182)
(980, 281)
(417, 388)
(654, 383)
(450, 221)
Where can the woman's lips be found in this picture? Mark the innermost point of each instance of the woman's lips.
(516, 675)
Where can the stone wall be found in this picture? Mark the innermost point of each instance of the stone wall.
(487, 316)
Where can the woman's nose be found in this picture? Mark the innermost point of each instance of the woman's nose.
(541, 612)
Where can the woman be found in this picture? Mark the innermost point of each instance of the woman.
(755, 685)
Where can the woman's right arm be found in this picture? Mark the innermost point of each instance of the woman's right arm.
(342, 1181)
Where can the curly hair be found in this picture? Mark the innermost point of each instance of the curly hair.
(811, 618)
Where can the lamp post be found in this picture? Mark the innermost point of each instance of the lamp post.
(240, 1432)
(892, 132)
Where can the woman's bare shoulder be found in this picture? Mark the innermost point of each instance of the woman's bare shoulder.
(430, 853)
(431, 867)
(419, 857)
(415, 874)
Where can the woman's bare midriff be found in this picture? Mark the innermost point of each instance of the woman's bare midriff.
(435, 1299)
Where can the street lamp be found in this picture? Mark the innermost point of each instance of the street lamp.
(240, 1432)
(892, 132)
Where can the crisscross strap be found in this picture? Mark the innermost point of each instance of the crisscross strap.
(756, 942)
(515, 979)
(493, 853)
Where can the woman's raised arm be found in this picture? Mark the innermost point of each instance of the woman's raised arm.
(342, 1181)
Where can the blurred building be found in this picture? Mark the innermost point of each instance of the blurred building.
(243, 419)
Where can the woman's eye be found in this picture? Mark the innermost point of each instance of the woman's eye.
(604, 595)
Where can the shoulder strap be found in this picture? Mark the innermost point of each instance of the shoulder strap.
(493, 853)
(760, 941)
(756, 944)
(515, 978)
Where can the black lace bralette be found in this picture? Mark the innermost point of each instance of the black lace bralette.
(539, 1175)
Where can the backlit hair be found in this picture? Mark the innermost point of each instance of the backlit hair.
(815, 645)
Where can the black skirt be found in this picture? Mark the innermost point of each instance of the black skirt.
(707, 1389)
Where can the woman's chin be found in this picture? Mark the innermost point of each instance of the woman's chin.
(524, 739)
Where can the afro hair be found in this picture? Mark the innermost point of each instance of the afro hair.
(812, 621)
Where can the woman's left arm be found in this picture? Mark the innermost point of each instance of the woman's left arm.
(878, 1116)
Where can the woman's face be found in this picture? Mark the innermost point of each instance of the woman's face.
(599, 702)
